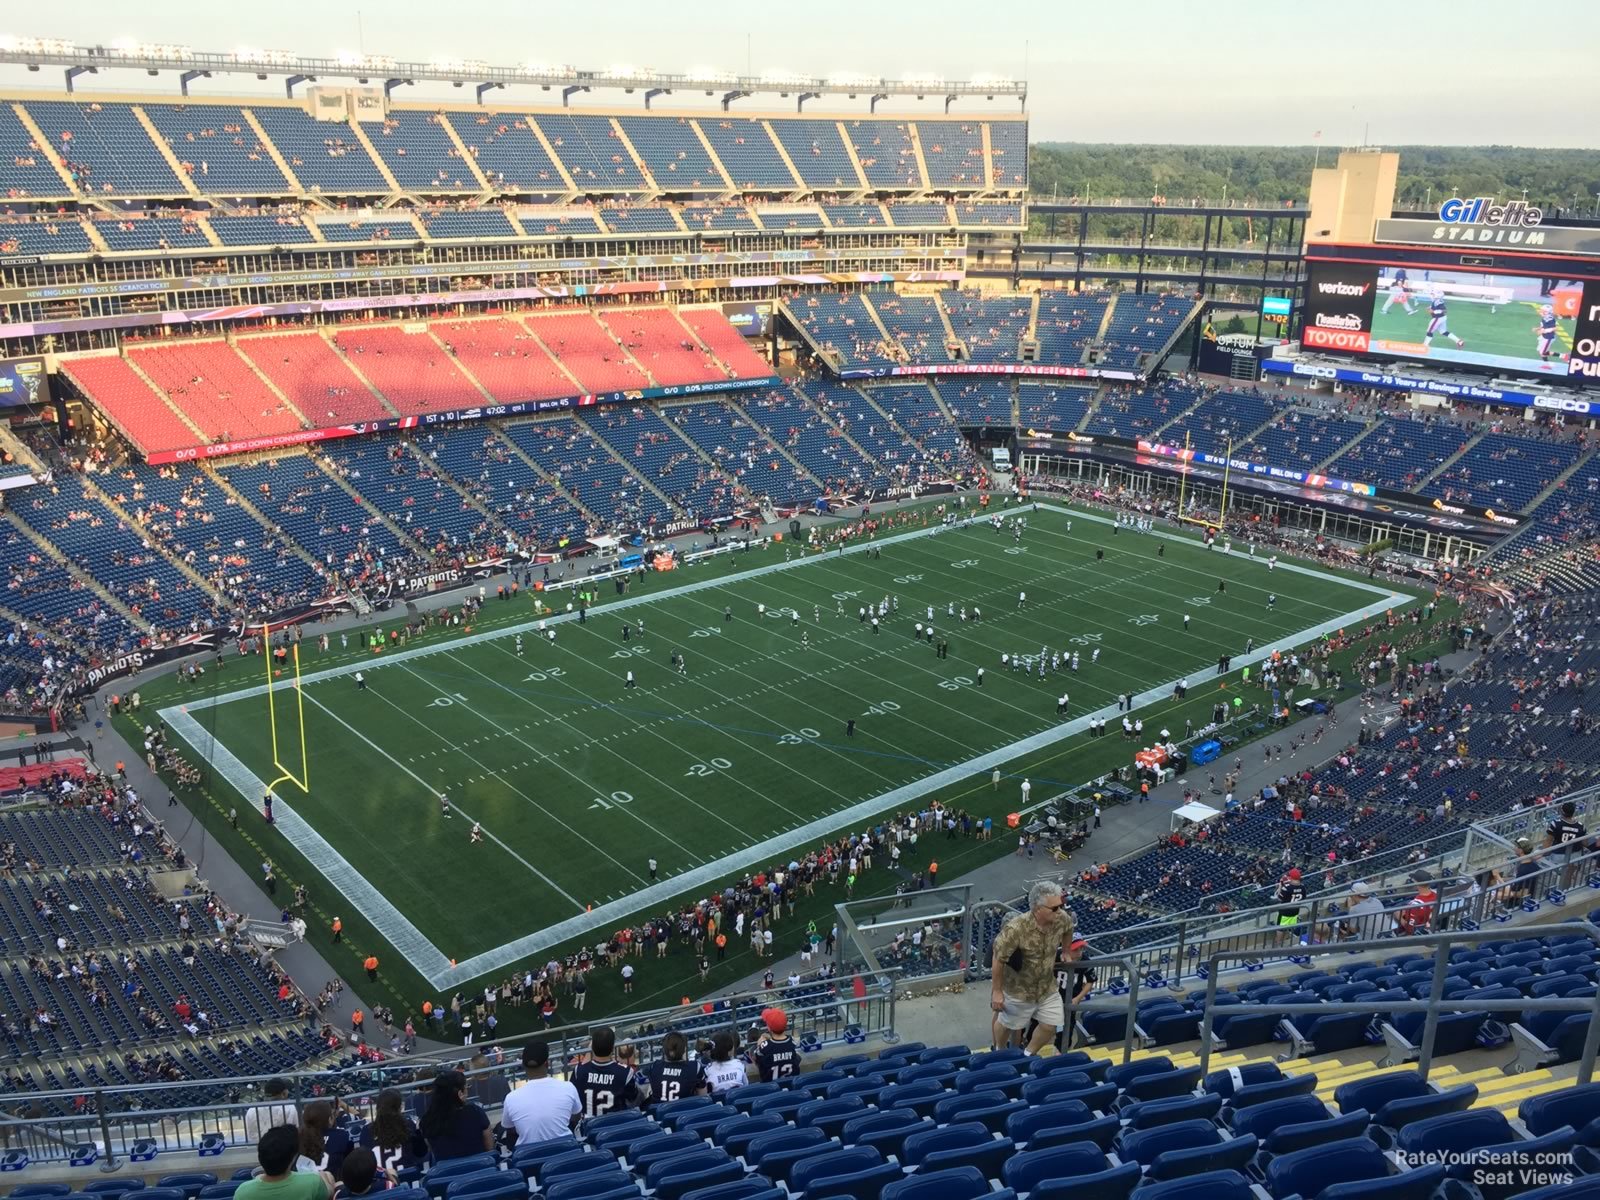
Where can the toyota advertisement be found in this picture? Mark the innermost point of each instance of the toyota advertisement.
(1518, 323)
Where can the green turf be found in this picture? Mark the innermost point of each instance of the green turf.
(751, 696)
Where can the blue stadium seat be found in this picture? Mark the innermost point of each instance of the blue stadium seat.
(1021, 1125)
(781, 1141)
(1212, 1185)
(1347, 1170)
(553, 1169)
(189, 1183)
(472, 1181)
(887, 1130)
(946, 1137)
(1011, 1055)
(1576, 1106)
(999, 1078)
(990, 1109)
(1025, 1171)
(844, 1160)
(1123, 1074)
(1225, 1082)
(596, 1185)
(1262, 1119)
(736, 1134)
(868, 1087)
(507, 1187)
(665, 1113)
(527, 1155)
(1449, 1134)
(960, 1183)
(744, 1098)
(1161, 1084)
(1274, 1089)
(1100, 1131)
(830, 1116)
(702, 1120)
(1497, 1171)
(1114, 1183)
(753, 1188)
(988, 1156)
(1287, 1138)
(1147, 1114)
(1585, 1187)
(678, 1178)
(1075, 1062)
(639, 1154)
(613, 1137)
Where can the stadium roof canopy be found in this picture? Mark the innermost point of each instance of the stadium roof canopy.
(37, 53)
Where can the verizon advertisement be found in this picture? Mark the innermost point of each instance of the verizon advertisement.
(1338, 307)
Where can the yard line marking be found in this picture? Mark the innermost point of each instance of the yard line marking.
(434, 792)
(515, 695)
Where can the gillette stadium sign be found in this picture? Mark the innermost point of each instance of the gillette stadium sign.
(1484, 211)
(1481, 220)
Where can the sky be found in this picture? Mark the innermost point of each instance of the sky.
(1470, 72)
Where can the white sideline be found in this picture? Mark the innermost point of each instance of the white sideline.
(434, 965)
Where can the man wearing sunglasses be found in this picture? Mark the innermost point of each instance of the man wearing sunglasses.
(1023, 988)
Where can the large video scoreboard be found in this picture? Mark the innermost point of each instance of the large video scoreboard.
(1408, 307)
(1486, 286)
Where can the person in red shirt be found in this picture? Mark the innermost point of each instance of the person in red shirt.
(1417, 916)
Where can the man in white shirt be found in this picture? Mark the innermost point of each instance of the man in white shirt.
(541, 1108)
(276, 1111)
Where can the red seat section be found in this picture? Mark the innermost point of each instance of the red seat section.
(506, 359)
(144, 416)
(727, 343)
(216, 389)
(14, 779)
(414, 372)
(663, 346)
(589, 351)
(309, 371)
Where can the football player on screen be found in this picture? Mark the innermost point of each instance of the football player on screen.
(1438, 323)
(1399, 293)
(1546, 331)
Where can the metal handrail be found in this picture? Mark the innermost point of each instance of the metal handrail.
(1435, 1000)
(181, 1127)
(1259, 927)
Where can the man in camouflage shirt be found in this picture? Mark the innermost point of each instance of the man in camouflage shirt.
(1024, 969)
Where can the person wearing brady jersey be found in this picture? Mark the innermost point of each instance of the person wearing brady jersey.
(776, 1056)
(1438, 322)
(1546, 329)
(604, 1085)
(674, 1076)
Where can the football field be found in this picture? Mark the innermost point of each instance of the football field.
(742, 758)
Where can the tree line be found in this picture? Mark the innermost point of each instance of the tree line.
(1563, 182)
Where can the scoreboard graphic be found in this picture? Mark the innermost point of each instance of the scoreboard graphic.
(1517, 323)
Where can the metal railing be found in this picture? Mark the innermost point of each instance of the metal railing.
(113, 1119)
(1433, 1004)
(1467, 899)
